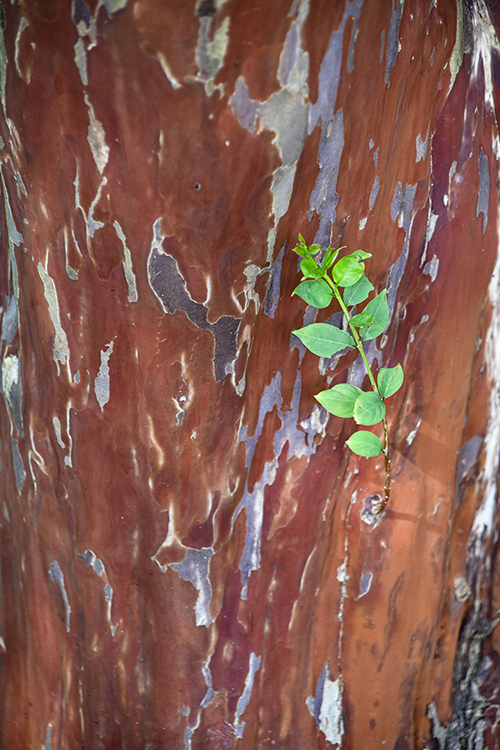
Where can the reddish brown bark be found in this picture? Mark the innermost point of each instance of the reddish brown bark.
(188, 553)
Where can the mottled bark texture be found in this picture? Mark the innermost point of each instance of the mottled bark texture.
(188, 553)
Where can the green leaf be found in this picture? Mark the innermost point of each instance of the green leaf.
(365, 443)
(362, 319)
(379, 308)
(390, 380)
(329, 257)
(361, 254)
(315, 292)
(347, 271)
(310, 268)
(369, 408)
(324, 339)
(358, 292)
(301, 247)
(340, 399)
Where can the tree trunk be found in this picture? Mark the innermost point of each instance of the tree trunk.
(189, 553)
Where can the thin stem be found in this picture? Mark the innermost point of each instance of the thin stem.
(359, 346)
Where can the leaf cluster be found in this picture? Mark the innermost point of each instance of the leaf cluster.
(323, 278)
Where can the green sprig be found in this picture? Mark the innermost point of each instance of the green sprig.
(320, 285)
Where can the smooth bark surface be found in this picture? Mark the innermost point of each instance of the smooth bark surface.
(189, 557)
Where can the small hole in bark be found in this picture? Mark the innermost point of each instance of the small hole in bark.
(197, 186)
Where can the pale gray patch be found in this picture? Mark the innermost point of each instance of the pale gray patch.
(273, 285)
(483, 197)
(56, 574)
(422, 146)
(382, 41)
(253, 666)
(112, 6)
(432, 267)
(96, 138)
(374, 192)
(326, 707)
(281, 188)
(19, 182)
(331, 721)
(324, 197)
(101, 382)
(392, 50)
(195, 568)
(432, 57)
(329, 73)
(365, 583)
(81, 60)
(12, 387)
(253, 503)
(9, 321)
(395, 275)
(3, 69)
(371, 144)
(57, 429)
(286, 114)
(17, 460)
(210, 55)
(271, 396)
(90, 559)
(61, 349)
(375, 157)
(468, 456)
(355, 10)
(6, 514)
(289, 55)
(15, 238)
(169, 286)
(22, 25)
(452, 171)
(243, 107)
(314, 703)
(128, 270)
(210, 694)
(168, 73)
(402, 205)
(47, 745)
(431, 225)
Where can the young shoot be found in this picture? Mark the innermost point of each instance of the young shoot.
(322, 281)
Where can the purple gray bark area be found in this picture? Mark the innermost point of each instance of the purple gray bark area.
(189, 556)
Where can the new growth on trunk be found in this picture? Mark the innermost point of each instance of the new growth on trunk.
(321, 283)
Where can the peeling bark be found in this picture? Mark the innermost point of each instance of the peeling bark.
(189, 557)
